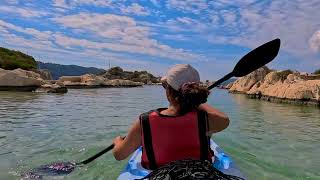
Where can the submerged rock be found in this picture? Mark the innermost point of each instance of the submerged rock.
(121, 82)
(52, 88)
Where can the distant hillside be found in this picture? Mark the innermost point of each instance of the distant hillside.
(10, 59)
(58, 70)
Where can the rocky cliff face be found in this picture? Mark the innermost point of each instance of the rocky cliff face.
(283, 86)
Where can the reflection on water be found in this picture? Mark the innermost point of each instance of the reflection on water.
(267, 140)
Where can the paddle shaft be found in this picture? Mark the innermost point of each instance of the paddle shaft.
(97, 155)
(226, 77)
(90, 159)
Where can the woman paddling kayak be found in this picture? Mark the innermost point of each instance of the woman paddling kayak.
(180, 131)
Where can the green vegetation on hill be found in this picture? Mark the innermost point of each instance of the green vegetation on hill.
(137, 76)
(10, 59)
(58, 70)
(317, 71)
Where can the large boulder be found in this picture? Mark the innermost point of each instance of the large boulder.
(92, 80)
(19, 78)
(245, 83)
(26, 73)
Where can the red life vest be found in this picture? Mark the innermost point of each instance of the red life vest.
(171, 138)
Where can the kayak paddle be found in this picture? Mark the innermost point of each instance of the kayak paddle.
(252, 61)
(247, 64)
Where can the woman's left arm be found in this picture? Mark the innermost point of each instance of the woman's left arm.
(124, 147)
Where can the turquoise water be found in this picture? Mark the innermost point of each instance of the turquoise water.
(267, 140)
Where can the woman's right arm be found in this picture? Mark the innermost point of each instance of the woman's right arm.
(218, 120)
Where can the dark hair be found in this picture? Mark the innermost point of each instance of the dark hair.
(190, 96)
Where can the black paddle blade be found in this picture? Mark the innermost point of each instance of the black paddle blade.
(257, 58)
(53, 169)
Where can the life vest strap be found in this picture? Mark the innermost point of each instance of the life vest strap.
(144, 121)
(203, 138)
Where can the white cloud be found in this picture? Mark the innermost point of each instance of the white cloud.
(11, 1)
(186, 20)
(294, 22)
(314, 42)
(135, 9)
(30, 44)
(152, 49)
(249, 23)
(102, 3)
(194, 6)
(106, 25)
(185, 24)
(60, 3)
(39, 35)
(229, 17)
(178, 37)
(49, 52)
(234, 3)
(119, 33)
(23, 12)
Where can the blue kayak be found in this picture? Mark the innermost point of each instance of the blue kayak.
(222, 162)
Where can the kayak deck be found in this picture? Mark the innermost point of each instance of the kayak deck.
(222, 162)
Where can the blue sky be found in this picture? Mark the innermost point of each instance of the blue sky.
(153, 35)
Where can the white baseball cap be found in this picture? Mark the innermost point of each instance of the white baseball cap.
(179, 74)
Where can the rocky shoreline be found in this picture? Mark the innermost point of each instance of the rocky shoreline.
(309, 102)
(30, 81)
(279, 86)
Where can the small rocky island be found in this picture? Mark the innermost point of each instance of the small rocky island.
(18, 72)
(114, 77)
(280, 86)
